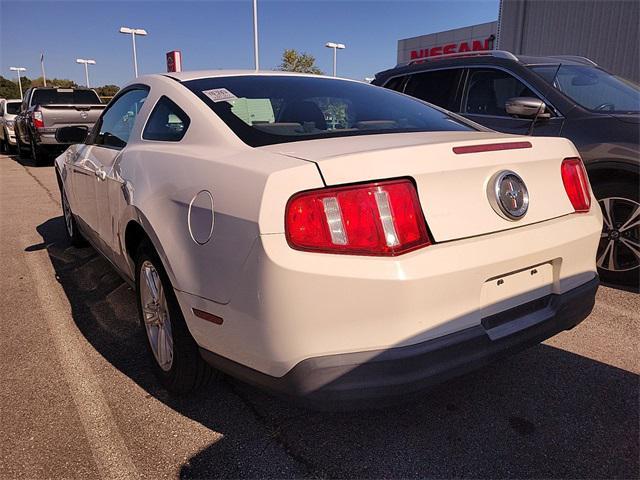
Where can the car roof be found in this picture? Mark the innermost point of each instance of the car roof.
(61, 88)
(198, 74)
(555, 60)
(495, 57)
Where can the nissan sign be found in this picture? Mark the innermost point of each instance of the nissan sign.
(450, 48)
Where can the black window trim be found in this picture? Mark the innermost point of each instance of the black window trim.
(96, 127)
(155, 105)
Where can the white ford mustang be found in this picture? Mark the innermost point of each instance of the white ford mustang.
(327, 238)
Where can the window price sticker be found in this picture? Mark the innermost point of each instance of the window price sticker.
(219, 94)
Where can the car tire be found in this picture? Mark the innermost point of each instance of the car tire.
(618, 257)
(71, 226)
(38, 154)
(173, 351)
(4, 145)
(22, 152)
(8, 148)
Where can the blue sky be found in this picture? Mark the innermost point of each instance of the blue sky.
(218, 34)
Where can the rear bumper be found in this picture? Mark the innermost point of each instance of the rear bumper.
(351, 378)
(47, 135)
(48, 138)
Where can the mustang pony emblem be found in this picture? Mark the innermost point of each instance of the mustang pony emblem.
(508, 195)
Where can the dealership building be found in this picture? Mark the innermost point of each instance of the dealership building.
(606, 32)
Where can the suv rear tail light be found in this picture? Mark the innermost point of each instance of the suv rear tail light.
(576, 183)
(36, 117)
(381, 218)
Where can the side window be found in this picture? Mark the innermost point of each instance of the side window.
(438, 87)
(167, 122)
(115, 125)
(395, 83)
(488, 90)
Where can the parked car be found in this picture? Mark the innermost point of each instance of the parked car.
(44, 110)
(395, 249)
(552, 96)
(8, 111)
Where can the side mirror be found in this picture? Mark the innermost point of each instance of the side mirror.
(73, 134)
(527, 107)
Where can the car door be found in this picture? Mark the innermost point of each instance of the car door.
(21, 119)
(107, 143)
(83, 188)
(485, 93)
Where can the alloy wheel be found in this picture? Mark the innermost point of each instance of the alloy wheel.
(155, 314)
(619, 248)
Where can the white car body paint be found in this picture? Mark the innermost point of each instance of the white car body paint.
(281, 306)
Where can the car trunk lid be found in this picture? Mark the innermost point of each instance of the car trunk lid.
(454, 188)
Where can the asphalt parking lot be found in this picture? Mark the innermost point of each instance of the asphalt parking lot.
(77, 398)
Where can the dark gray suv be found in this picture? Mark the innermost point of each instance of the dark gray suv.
(552, 96)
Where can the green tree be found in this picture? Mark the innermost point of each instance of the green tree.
(8, 88)
(39, 82)
(293, 61)
(107, 90)
(55, 82)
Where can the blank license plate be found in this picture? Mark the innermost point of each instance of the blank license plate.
(508, 291)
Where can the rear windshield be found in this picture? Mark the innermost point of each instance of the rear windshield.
(13, 108)
(65, 96)
(264, 110)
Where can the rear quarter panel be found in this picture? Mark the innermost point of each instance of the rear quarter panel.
(161, 180)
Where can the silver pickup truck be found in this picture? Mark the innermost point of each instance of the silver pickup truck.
(44, 110)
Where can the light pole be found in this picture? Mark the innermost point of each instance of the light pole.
(336, 47)
(86, 62)
(18, 69)
(255, 35)
(133, 32)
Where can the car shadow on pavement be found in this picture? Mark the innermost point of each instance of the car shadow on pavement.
(545, 412)
(29, 162)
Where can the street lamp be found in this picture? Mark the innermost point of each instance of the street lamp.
(86, 62)
(255, 35)
(336, 47)
(18, 69)
(133, 32)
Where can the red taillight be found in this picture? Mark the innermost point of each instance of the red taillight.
(382, 218)
(36, 117)
(576, 183)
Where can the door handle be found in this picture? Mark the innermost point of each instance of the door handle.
(101, 174)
